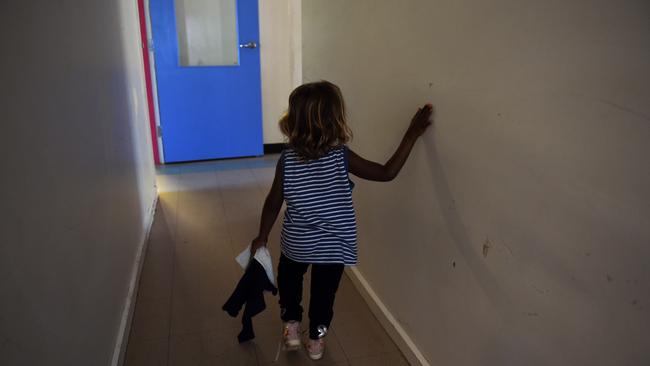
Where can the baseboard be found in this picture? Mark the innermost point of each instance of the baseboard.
(273, 148)
(129, 304)
(387, 320)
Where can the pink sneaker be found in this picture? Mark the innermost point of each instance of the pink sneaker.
(291, 335)
(315, 348)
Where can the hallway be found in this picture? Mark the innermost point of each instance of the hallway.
(207, 213)
(517, 232)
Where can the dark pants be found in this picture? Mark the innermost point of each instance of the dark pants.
(325, 280)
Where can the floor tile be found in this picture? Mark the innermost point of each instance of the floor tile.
(156, 283)
(201, 314)
(362, 335)
(151, 320)
(209, 348)
(390, 359)
(147, 353)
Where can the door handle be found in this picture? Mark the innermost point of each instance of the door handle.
(248, 45)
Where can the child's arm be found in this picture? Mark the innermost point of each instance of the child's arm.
(366, 169)
(272, 206)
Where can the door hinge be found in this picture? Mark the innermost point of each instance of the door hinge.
(159, 131)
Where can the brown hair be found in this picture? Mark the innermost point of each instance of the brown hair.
(315, 122)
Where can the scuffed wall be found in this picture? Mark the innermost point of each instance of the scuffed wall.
(77, 181)
(518, 232)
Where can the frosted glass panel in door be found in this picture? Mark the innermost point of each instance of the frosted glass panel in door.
(207, 32)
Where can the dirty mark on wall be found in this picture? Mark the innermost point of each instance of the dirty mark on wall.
(623, 108)
(486, 247)
(539, 290)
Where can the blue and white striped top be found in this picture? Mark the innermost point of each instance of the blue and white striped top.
(319, 223)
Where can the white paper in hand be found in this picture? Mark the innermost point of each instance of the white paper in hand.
(263, 256)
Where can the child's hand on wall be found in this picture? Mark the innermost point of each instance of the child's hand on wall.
(421, 121)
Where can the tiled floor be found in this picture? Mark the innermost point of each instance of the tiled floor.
(207, 213)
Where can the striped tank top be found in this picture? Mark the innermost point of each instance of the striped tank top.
(319, 222)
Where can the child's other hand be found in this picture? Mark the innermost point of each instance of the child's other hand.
(421, 120)
(256, 244)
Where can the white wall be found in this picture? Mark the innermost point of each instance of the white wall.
(539, 155)
(77, 179)
(280, 61)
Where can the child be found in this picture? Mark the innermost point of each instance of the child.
(319, 224)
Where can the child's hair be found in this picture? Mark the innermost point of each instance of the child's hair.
(315, 122)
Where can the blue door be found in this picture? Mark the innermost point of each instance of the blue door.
(208, 78)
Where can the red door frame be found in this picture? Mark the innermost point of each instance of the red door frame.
(147, 75)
